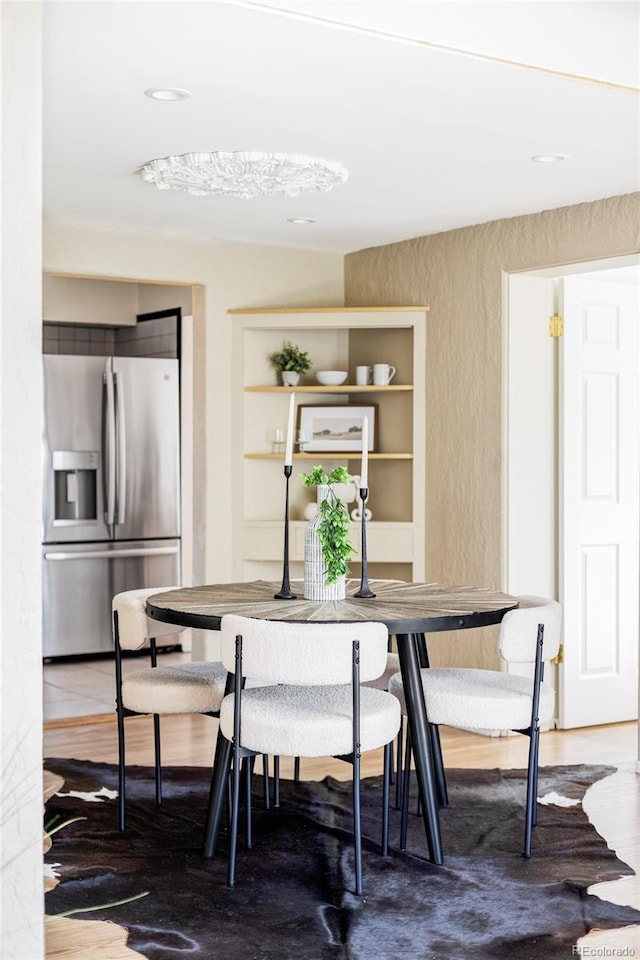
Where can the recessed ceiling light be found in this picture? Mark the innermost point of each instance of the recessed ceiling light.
(167, 93)
(301, 220)
(549, 157)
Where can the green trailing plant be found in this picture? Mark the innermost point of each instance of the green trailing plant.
(291, 357)
(333, 529)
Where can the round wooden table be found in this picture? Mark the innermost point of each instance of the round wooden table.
(409, 610)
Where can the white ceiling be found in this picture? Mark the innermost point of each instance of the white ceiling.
(434, 137)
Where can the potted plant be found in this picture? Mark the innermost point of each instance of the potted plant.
(327, 545)
(291, 361)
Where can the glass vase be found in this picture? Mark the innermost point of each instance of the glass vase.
(315, 587)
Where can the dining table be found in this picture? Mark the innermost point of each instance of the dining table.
(410, 611)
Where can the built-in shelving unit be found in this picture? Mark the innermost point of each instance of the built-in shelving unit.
(335, 338)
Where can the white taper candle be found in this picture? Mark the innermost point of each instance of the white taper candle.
(288, 452)
(364, 468)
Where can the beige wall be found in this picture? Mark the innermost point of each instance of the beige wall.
(107, 302)
(460, 275)
(225, 275)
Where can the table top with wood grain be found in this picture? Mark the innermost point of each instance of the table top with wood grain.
(403, 607)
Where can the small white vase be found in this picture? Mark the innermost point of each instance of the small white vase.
(315, 587)
(289, 378)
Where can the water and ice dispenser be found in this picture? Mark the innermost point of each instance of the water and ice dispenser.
(75, 485)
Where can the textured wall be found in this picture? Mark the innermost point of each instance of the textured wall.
(459, 275)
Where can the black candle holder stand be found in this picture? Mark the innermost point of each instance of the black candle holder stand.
(285, 590)
(365, 591)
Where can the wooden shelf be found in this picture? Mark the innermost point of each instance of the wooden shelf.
(317, 454)
(336, 338)
(343, 388)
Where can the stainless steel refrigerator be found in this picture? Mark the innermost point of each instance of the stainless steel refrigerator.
(111, 472)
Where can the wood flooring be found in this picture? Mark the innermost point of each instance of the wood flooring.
(613, 804)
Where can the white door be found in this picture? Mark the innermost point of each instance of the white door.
(598, 508)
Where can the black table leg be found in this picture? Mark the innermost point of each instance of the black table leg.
(434, 732)
(218, 783)
(408, 650)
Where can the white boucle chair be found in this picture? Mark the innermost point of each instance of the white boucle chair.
(196, 687)
(317, 706)
(494, 700)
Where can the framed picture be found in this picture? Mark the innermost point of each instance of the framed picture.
(336, 428)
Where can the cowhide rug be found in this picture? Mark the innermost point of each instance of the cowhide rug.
(293, 896)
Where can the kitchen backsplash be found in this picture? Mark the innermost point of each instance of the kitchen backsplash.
(149, 338)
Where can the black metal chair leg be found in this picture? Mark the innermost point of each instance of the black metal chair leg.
(399, 749)
(120, 719)
(121, 771)
(386, 797)
(534, 746)
(235, 806)
(265, 777)
(235, 810)
(248, 768)
(530, 815)
(156, 744)
(276, 781)
(357, 825)
(536, 767)
(296, 770)
(229, 804)
(357, 821)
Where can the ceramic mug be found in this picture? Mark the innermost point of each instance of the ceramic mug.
(383, 373)
(363, 376)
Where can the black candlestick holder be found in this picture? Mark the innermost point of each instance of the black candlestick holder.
(364, 591)
(285, 590)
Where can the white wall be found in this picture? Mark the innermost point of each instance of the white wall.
(231, 275)
(21, 880)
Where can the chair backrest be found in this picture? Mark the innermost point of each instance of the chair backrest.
(519, 630)
(304, 654)
(134, 627)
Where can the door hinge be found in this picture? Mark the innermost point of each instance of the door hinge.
(556, 325)
(559, 657)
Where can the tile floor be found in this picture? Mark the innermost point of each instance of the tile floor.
(81, 688)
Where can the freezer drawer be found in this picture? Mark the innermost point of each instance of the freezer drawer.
(80, 580)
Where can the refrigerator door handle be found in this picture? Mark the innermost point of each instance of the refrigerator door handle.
(121, 433)
(111, 554)
(110, 449)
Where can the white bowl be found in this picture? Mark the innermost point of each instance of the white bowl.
(331, 378)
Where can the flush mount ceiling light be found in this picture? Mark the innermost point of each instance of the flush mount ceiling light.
(167, 93)
(549, 157)
(243, 174)
(301, 220)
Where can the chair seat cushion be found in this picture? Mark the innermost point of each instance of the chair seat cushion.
(478, 699)
(310, 721)
(382, 682)
(194, 687)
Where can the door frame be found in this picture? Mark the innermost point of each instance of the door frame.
(543, 445)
